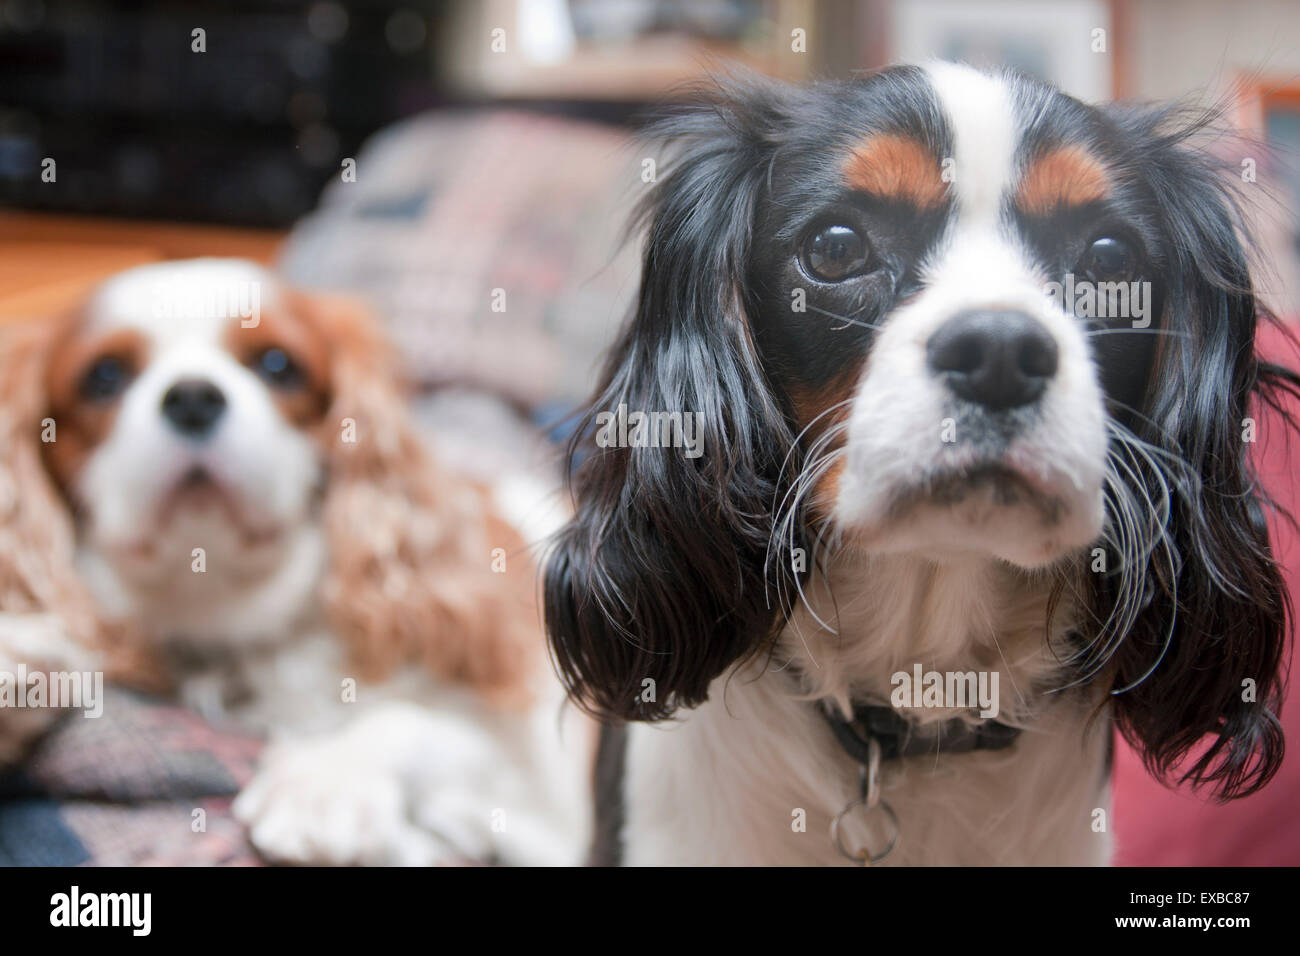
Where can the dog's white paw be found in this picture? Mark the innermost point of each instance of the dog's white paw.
(311, 803)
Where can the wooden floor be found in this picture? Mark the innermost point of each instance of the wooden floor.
(48, 262)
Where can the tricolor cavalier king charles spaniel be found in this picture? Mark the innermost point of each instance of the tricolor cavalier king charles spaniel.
(208, 465)
(919, 457)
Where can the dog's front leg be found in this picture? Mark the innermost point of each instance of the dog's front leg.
(404, 784)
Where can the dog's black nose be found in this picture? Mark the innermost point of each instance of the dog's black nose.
(996, 359)
(193, 406)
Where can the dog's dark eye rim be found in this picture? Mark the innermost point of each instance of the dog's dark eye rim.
(1113, 242)
(860, 265)
(276, 366)
(106, 378)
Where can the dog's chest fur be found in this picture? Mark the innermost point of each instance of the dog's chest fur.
(754, 776)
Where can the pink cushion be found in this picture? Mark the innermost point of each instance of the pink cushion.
(1158, 826)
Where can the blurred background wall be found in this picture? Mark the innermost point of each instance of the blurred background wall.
(248, 130)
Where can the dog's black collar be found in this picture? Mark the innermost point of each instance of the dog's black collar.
(900, 737)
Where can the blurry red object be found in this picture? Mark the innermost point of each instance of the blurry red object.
(1159, 826)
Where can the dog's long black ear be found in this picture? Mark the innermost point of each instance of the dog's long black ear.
(658, 585)
(1198, 682)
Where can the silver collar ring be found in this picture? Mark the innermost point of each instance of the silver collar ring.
(869, 801)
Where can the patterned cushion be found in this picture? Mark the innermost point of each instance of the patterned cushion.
(448, 207)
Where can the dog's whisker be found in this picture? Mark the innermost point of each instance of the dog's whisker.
(1093, 333)
(846, 319)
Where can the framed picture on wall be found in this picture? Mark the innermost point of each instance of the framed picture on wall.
(1068, 44)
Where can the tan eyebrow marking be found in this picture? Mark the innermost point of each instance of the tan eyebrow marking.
(82, 424)
(895, 167)
(284, 329)
(1065, 176)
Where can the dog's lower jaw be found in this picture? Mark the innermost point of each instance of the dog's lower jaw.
(215, 595)
(754, 777)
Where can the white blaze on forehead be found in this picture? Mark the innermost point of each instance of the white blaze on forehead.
(173, 302)
(982, 117)
(901, 411)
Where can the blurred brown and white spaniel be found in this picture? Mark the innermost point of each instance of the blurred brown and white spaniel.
(207, 465)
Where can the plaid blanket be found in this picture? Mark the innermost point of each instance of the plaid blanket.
(148, 783)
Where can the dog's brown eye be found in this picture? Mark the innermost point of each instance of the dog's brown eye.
(836, 253)
(105, 379)
(1109, 260)
(277, 368)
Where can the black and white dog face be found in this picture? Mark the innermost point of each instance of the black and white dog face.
(900, 296)
(944, 314)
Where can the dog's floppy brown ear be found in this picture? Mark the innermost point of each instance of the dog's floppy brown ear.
(410, 573)
(37, 537)
(49, 615)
